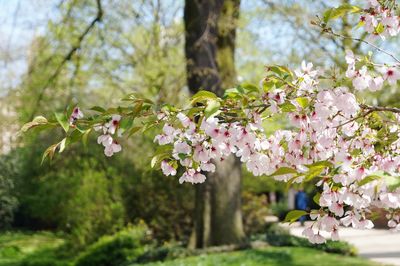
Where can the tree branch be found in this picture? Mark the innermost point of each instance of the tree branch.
(380, 108)
(69, 55)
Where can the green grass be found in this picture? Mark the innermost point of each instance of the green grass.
(270, 256)
(16, 246)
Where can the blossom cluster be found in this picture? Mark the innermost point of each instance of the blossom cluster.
(331, 132)
(197, 147)
(363, 79)
(109, 129)
(381, 20)
(325, 130)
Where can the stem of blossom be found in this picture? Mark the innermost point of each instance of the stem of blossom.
(355, 118)
(371, 109)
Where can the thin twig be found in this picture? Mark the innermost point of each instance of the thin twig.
(68, 56)
(330, 31)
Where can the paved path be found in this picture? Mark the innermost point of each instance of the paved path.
(376, 244)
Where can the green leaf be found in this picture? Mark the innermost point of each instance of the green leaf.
(315, 169)
(131, 96)
(360, 24)
(212, 108)
(284, 171)
(98, 109)
(287, 107)
(63, 144)
(316, 198)
(194, 111)
(49, 152)
(303, 102)
(156, 160)
(320, 163)
(133, 130)
(294, 215)
(162, 152)
(37, 121)
(334, 13)
(169, 107)
(125, 123)
(313, 172)
(368, 179)
(62, 120)
(250, 87)
(280, 70)
(202, 96)
(268, 85)
(85, 137)
(75, 136)
(232, 93)
(380, 28)
(137, 109)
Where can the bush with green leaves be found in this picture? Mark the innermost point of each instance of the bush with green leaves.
(117, 250)
(88, 196)
(255, 209)
(278, 236)
(8, 200)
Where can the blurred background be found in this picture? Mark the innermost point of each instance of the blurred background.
(85, 209)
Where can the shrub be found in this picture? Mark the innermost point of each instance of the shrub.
(254, 210)
(8, 201)
(116, 250)
(279, 236)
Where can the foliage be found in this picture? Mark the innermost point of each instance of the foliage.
(8, 199)
(87, 195)
(167, 211)
(78, 196)
(279, 236)
(254, 209)
(118, 249)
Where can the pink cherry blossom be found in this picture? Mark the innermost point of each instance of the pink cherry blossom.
(167, 169)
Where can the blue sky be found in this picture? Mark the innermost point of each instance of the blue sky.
(20, 21)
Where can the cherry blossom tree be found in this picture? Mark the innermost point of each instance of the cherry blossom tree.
(335, 139)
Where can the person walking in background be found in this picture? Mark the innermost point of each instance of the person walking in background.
(301, 203)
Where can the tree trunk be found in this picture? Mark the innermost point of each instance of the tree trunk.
(210, 31)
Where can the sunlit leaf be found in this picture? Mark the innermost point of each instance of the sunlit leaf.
(212, 108)
(334, 13)
(202, 96)
(294, 215)
(368, 179)
(37, 121)
(62, 120)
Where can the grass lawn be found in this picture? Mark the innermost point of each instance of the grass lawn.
(18, 247)
(271, 256)
(15, 246)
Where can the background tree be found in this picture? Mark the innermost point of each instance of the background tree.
(210, 34)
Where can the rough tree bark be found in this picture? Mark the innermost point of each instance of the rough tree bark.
(210, 31)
